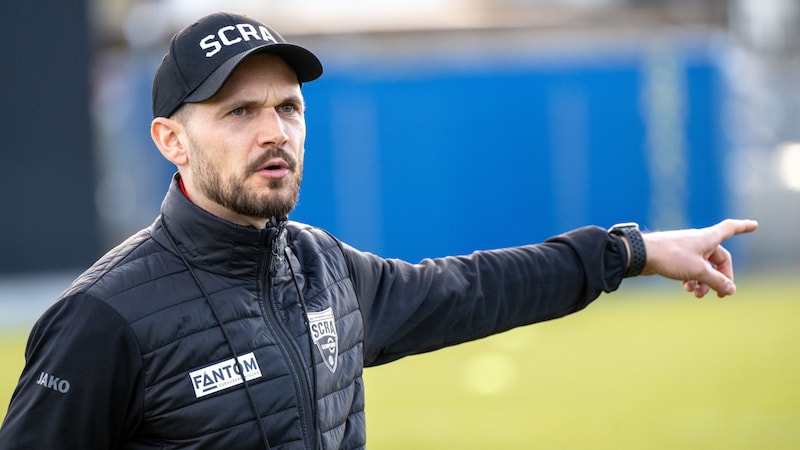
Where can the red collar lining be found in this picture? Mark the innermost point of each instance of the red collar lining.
(183, 189)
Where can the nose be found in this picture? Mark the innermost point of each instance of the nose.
(272, 130)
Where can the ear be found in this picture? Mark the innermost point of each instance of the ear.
(169, 135)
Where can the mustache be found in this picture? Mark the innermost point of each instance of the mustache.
(277, 152)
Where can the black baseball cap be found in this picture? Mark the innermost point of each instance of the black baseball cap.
(203, 55)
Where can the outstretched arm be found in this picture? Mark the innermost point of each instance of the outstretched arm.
(695, 256)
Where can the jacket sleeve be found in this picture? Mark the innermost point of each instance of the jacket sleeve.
(415, 308)
(80, 387)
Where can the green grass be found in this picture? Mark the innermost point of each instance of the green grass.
(639, 369)
(12, 358)
(647, 367)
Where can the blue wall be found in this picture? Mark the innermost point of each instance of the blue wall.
(48, 219)
(413, 159)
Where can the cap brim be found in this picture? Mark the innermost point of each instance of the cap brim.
(305, 64)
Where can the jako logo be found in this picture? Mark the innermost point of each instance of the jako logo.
(225, 374)
(54, 383)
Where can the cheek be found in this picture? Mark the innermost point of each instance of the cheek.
(210, 161)
(299, 132)
(301, 142)
(300, 160)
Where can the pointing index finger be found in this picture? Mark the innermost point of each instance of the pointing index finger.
(731, 227)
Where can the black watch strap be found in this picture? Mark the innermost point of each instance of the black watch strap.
(638, 251)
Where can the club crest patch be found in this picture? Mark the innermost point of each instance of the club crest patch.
(322, 326)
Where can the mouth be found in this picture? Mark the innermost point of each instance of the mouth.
(274, 168)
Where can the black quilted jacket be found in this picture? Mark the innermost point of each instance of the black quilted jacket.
(197, 333)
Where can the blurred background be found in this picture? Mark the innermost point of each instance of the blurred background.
(439, 126)
(471, 123)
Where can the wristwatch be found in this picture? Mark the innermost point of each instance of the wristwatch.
(631, 232)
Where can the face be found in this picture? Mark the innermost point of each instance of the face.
(244, 146)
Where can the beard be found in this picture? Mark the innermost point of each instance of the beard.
(231, 191)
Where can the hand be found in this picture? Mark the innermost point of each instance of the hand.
(695, 256)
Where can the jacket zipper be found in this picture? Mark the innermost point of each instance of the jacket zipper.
(297, 367)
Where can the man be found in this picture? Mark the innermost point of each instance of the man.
(224, 325)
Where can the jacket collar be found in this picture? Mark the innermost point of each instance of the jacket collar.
(211, 243)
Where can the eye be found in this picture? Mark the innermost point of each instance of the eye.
(287, 108)
(238, 112)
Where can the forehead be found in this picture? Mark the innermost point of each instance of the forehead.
(260, 70)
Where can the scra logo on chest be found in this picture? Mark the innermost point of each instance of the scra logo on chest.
(322, 326)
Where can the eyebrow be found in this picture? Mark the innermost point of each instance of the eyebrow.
(239, 101)
(296, 99)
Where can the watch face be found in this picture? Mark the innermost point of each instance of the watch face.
(626, 225)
